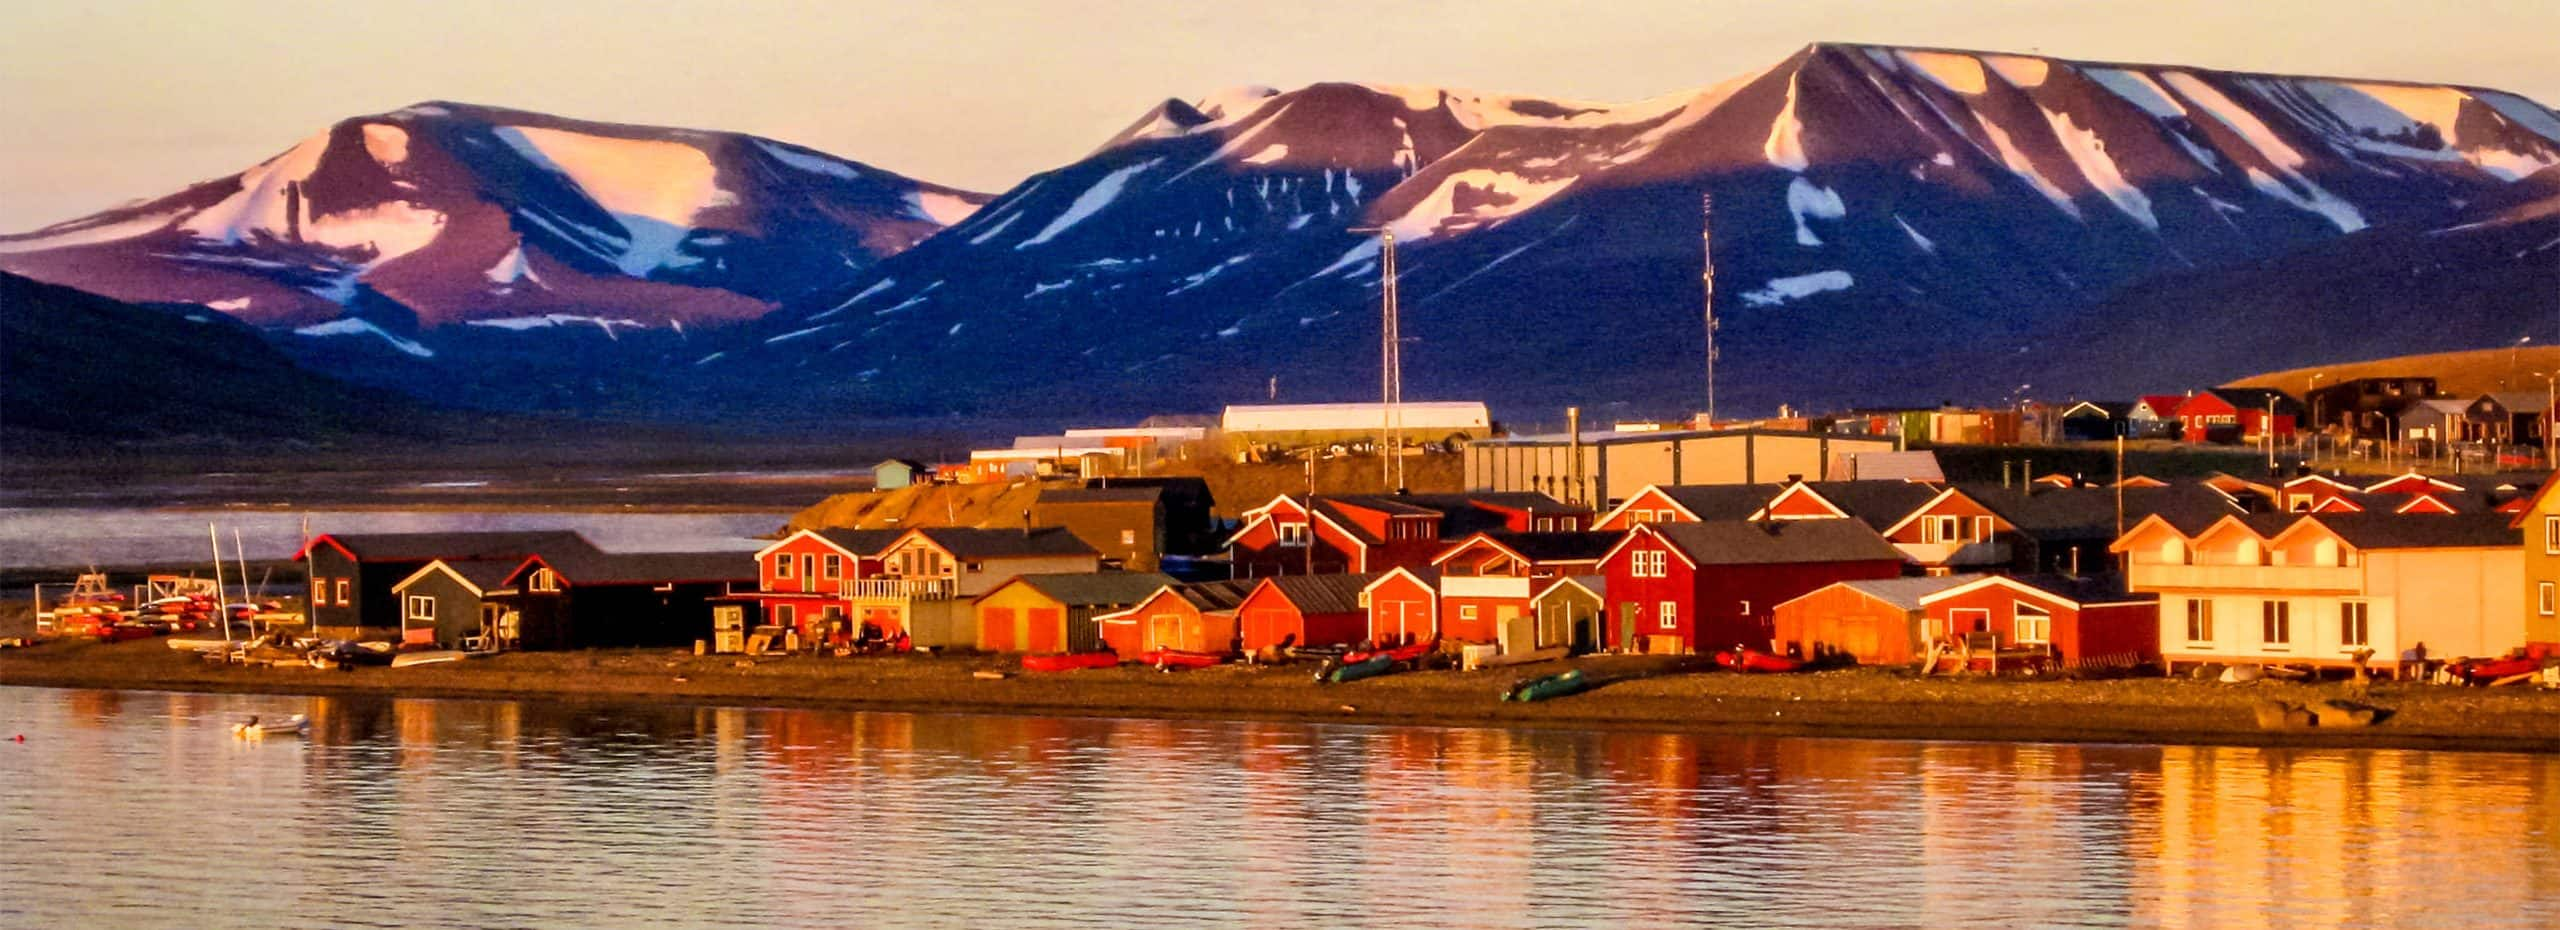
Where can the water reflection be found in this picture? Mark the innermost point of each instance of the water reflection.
(473, 814)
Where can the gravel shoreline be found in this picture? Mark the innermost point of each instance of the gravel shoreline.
(1638, 693)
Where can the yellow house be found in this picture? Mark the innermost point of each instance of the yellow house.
(2311, 589)
(2540, 523)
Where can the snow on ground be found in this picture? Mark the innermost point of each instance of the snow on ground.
(1807, 199)
(1086, 204)
(2025, 168)
(2089, 154)
(1785, 147)
(2285, 158)
(259, 204)
(2138, 89)
(1799, 287)
(808, 161)
(351, 326)
(2018, 70)
(939, 207)
(88, 235)
(1959, 73)
(654, 188)
(388, 144)
(1439, 208)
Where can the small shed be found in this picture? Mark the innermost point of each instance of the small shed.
(587, 600)
(1404, 606)
(442, 603)
(1054, 612)
(2097, 420)
(1875, 621)
(893, 474)
(1186, 618)
(1310, 610)
(1569, 611)
(2085, 620)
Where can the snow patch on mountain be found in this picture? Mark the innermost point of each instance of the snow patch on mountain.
(1916, 238)
(653, 188)
(1959, 73)
(940, 207)
(2019, 164)
(1807, 199)
(352, 326)
(388, 144)
(2285, 158)
(1798, 287)
(233, 305)
(259, 206)
(2138, 89)
(1086, 204)
(807, 161)
(2020, 71)
(511, 268)
(1494, 196)
(2089, 154)
(389, 229)
(554, 320)
(1785, 147)
(1269, 154)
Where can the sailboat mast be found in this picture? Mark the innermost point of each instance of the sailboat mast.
(215, 537)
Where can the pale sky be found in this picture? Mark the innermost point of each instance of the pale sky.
(105, 101)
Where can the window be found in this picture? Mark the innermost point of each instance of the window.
(2551, 535)
(833, 566)
(1546, 524)
(2546, 598)
(2353, 630)
(783, 614)
(2034, 625)
(421, 609)
(1467, 612)
(1292, 534)
(342, 593)
(2199, 621)
(782, 565)
(1981, 529)
(1364, 599)
(1667, 615)
(544, 580)
(976, 567)
(1939, 529)
(1128, 537)
(1746, 608)
(2275, 623)
(319, 592)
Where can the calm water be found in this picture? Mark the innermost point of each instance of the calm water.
(116, 537)
(128, 809)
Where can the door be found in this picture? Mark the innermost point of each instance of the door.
(1627, 626)
(1519, 631)
(995, 629)
(1042, 629)
(1164, 631)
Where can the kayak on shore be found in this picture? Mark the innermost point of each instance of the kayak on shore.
(1372, 666)
(1551, 686)
(1069, 661)
(1743, 659)
(1169, 659)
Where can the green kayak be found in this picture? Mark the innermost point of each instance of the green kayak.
(1539, 689)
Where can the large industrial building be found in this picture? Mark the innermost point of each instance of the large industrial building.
(1616, 464)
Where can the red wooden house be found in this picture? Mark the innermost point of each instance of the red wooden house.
(1374, 533)
(1308, 610)
(1404, 607)
(2082, 620)
(1189, 618)
(808, 576)
(2237, 415)
(1687, 503)
(1876, 621)
(1487, 580)
(1678, 588)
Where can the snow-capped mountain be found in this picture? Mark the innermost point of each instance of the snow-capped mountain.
(414, 226)
(1889, 223)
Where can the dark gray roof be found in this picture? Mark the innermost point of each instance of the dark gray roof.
(483, 574)
(1217, 595)
(1324, 594)
(1713, 502)
(1559, 547)
(1097, 589)
(2255, 398)
(2186, 507)
(1778, 542)
(861, 542)
(1878, 504)
(2421, 530)
(1906, 593)
(618, 568)
(2084, 589)
(1111, 495)
(976, 543)
(426, 547)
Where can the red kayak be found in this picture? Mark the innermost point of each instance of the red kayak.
(2484, 671)
(1753, 660)
(1069, 661)
(1401, 654)
(1176, 658)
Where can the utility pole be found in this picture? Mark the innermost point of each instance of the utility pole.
(1390, 368)
(1707, 281)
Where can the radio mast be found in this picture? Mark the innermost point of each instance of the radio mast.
(1390, 368)
(1707, 277)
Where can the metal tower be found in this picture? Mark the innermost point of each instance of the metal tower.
(1390, 369)
(1707, 252)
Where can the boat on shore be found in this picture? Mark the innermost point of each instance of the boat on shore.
(1170, 659)
(1371, 666)
(1069, 661)
(1752, 660)
(254, 728)
(432, 657)
(1551, 686)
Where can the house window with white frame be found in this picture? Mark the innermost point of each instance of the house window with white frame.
(782, 565)
(2199, 621)
(1667, 615)
(1982, 531)
(1466, 611)
(2354, 624)
(422, 610)
(2551, 535)
(2275, 623)
(544, 580)
(1939, 529)
(342, 593)
(319, 592)
(1292, 534)
(2546, 598)
(831, 567)
(2033, 626)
